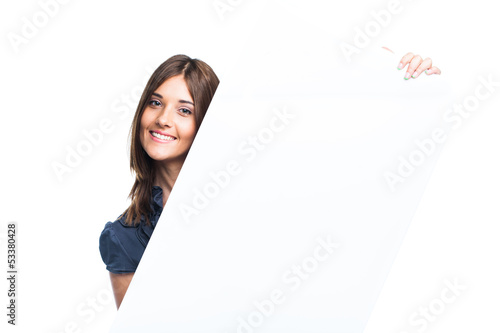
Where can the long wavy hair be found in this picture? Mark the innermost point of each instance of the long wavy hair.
(202, 83)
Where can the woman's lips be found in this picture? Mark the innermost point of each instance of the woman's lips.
(162, 138)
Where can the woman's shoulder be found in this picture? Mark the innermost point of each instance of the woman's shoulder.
(118, 228)
(119, 223)
(119, 231)
(119, 246)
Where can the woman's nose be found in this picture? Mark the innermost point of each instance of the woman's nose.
(165, 117)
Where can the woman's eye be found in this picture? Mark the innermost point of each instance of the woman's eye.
(185, 111)
(154, 102)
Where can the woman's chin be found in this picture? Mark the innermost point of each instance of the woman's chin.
(164, 158)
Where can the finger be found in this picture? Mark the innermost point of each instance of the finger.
(433, 70)
(414, 63)
(427, 63)
(388, 49)
(405, 60)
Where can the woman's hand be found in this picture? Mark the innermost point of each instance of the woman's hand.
(416, 65)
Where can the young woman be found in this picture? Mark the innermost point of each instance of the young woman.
(165, 124)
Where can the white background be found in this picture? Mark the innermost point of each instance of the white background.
(77, 69)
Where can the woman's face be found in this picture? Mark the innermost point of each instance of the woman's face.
(168, 125)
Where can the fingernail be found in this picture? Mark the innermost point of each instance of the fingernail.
(407, 76)
(400, 66)
(426, 72)
(415, 75)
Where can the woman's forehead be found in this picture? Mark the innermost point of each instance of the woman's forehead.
(174, 88)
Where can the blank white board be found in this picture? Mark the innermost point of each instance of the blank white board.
(282, 218)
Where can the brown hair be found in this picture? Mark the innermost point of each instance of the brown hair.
(202, 83)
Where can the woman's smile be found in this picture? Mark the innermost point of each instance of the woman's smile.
(161, 137)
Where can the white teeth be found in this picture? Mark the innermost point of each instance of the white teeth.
(163, 137)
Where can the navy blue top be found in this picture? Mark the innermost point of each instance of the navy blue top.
(122, 245)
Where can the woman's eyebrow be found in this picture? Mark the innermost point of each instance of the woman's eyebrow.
(180, 101)
(184, 101)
